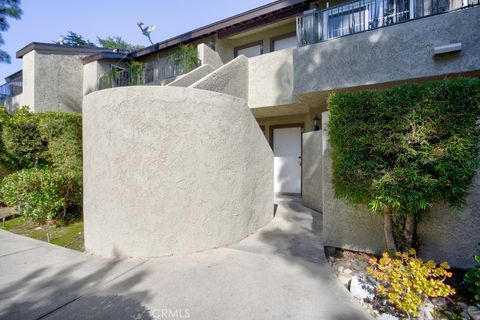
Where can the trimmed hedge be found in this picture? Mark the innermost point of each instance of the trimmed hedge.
(63, 133)
(7, 161)
(39, 194)
(22, 140)
(407, 147)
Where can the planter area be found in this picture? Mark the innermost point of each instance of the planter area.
(350, 269)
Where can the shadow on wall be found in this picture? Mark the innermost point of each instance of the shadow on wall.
(284, 179)
(284, 77)
(69, 104)
(310, 60)
(42, 295)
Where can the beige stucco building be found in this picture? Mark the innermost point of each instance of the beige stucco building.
(283, 59)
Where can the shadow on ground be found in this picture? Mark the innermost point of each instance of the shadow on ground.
(42, 293)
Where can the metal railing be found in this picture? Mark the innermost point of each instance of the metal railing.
(357, 16)
(151, 73)
(11, 89)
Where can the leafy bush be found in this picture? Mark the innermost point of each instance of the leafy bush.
(407, 281)
(22, 140)
(50, 185)
(186, 58)
(63, 133)
(136, 71)
(37, 194)
(400, 150)
(7, 161)
(472, 277)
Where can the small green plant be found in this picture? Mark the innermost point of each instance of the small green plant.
(407, 281)
(185, 58)
(136, 71)
(472, 277)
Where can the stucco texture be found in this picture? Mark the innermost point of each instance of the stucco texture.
(58, 81)
(444, 235)
(271, 79)
(192, 77)
(209, 56)
(344, 226)
(231, 79)
(170, 170)
(312, 194)
(394, 53)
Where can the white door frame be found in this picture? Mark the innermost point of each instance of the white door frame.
(290, 125)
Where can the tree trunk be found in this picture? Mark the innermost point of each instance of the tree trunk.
(388, 229)
(409, 231)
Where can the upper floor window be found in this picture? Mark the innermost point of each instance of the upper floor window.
(249, 50)
(284, 42)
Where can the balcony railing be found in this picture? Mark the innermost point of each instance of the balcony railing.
(150, 73)
(357, 16)
(10, 89)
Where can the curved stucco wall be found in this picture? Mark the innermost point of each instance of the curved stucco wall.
(172, 170)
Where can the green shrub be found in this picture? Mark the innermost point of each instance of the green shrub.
(403, 149)
(38, 194)
(186, 58)
(472, 277)
(48, 147)
(22, 140)
(407, 281)
(63, 133)
(7, 161)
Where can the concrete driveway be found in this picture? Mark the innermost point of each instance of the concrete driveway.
(280, 272)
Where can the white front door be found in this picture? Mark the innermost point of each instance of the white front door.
(287, 149)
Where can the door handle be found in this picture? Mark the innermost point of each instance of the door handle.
(299, 160)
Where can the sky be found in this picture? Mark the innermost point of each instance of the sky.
(47, 20)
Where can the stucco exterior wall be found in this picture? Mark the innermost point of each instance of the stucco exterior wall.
(92, 72)
(343, 226)
(192, 77)
(13, 103)
(444, 235)
(231, 79)
(208, 56)
(171, 170)
(395, 53)
(58, 82)
(226, 46)
(312, 194)
(271, 79)
(28, 82)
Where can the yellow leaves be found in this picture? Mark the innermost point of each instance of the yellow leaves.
(407, 281)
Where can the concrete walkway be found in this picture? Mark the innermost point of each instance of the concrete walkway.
(279, 272)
